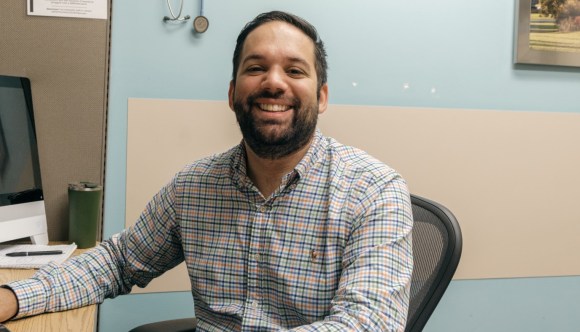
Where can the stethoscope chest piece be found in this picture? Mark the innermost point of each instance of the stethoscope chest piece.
(200, 24)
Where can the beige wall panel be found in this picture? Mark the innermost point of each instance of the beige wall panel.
(163, 136)
(511, 178)
(66, 60)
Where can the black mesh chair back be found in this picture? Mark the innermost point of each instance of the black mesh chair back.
(174, 325)
(436, 253)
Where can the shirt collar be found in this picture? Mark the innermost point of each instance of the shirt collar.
(314, 153)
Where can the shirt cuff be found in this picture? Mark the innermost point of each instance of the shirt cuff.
(30, 296)
(17, 303)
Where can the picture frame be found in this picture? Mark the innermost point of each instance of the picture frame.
(529, 47)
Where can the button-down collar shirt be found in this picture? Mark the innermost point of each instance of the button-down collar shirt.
(329, 250)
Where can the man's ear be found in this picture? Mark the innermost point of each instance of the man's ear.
(323, 99)
(231, 92)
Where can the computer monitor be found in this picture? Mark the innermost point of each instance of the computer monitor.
(22, 212)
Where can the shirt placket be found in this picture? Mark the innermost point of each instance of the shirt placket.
(252, 308)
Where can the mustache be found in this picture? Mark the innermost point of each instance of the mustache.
(272, 95)
(266, 94)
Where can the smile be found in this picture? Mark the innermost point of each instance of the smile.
(274, 107)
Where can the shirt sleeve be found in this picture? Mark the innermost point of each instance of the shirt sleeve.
(373, 292)
(132, 257)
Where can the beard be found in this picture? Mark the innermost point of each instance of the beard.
(276, 144)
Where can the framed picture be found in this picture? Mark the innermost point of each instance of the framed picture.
(547, 39)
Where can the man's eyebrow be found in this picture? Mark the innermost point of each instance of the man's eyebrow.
(250, 57)
(299, 60)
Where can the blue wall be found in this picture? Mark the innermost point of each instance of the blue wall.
(440, 54)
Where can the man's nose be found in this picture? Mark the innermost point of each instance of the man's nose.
(275, 80)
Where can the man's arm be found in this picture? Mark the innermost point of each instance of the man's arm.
(8, 304)
(373, 293)
(133, 257)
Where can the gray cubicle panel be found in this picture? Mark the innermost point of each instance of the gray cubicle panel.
(66, 60)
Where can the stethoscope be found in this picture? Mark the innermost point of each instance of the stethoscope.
(200, 23)
(173, 16)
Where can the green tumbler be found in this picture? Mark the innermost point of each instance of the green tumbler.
(84, 212)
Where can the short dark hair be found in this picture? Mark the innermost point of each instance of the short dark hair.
(319, 52)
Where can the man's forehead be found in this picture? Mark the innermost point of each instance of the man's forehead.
(268, 33)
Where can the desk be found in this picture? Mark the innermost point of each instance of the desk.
(78, 320)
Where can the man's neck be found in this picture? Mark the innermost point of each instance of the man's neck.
(267, 173)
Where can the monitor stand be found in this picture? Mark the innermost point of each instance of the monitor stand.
(24, 220)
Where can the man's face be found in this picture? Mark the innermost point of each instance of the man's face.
(275, 93)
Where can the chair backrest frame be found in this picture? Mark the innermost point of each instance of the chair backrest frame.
(450, 260)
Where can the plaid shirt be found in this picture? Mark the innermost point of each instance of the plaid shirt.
(330, 250)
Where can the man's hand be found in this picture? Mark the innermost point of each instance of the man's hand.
(8, 304)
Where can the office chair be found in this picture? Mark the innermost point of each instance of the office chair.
(174, 325)
(436, 252)
(437, 246)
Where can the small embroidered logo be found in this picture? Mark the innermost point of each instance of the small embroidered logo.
(314, 255)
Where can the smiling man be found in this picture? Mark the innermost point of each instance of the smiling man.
(275, 90)
(277, 94)
(289, 230)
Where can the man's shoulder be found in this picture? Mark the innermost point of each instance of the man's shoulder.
(361, 174)
(357, 160)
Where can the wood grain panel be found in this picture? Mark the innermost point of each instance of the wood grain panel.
(78, 320)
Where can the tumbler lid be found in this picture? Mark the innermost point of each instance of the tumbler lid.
(84, 186)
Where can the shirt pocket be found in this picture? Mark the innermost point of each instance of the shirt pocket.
(300, 281)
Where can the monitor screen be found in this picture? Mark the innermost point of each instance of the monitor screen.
(22, 211)
(20, 180)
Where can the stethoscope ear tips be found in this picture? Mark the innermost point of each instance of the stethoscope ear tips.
(200, 23)
(173, 16)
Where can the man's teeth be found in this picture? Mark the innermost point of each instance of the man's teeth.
(274, 107)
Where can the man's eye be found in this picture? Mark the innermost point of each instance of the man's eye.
(254, 69)
(295, 72)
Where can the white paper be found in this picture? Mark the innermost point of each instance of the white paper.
(33, 262)
(68, 8)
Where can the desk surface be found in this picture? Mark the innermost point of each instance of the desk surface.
(78, 320)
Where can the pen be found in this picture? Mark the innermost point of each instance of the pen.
(34, 253)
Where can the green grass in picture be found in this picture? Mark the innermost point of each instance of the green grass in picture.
(545, 35)
(556, 41)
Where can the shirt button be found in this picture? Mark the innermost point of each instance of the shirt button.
(263, 208)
